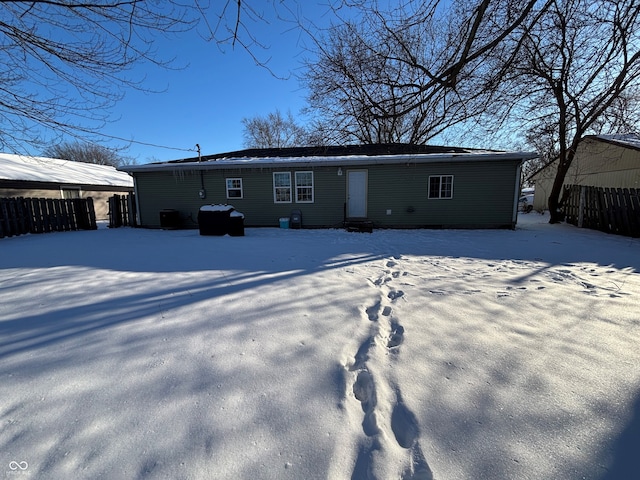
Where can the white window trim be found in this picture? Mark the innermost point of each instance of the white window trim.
(275, 197)
(70, 188)
(241, 188)
(439, 197)
(313, 196)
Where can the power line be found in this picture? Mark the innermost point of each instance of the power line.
(147, 144)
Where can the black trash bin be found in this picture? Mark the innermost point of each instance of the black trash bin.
(295, 220)
(214, 219)
(169, 219)
(236, 224)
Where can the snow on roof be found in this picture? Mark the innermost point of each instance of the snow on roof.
(312, 156)
(42, 169)
(625, 139)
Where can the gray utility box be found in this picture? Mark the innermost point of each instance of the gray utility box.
(295, 220)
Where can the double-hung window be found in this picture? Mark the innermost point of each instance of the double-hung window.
(284, 191)
(282, 187)
(304, 187)
(441, 186)
(234, 188)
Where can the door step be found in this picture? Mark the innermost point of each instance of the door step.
(358, 226)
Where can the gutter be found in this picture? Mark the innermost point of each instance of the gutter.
(337, 161)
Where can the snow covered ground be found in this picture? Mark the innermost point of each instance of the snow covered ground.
(296, 354)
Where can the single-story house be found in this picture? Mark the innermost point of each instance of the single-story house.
(41, 177)
(601, 161)
(388, 186)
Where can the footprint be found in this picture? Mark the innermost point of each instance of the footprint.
(362, 355)
(372, 312)
(405, 428)
(404, 424)
(386, 311)
(364, 390)
(397, 335)
(419, 469)
(363, 466)
(395, 294)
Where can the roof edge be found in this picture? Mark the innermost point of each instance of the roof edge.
(342, 161)
(624, 140)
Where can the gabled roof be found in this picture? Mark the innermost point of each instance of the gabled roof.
(54, 170)
(348, 155)
(626, 140)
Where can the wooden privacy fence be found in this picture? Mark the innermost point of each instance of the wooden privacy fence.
(42, 215)
(612, 210)
(122, 211)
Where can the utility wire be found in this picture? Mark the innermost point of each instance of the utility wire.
(147, 144)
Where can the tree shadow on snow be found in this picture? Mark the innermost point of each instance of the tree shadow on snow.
(625, 454)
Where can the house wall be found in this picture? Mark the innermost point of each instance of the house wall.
(484, 194)
(100, 197)
(597, 164)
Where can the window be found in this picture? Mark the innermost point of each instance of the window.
(304, 187)
(441, 186)
(282, 187)
(70, 192)
(234, 188)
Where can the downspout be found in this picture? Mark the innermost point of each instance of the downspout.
(137, 198)
(516, 196)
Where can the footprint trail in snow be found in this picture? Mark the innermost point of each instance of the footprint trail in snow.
(386, 335)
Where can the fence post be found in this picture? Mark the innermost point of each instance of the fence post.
(4, 219)
(581, 206)
(92, 214)
(131, 204)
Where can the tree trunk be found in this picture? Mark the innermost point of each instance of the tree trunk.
(555, 206)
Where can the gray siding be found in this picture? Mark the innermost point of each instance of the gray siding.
(483, 195)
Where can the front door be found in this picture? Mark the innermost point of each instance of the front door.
(357, 194)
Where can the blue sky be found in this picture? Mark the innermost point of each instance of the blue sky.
(206, 101)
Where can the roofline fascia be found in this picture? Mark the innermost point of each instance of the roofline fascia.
(344, 161)
(611, 141)
(595, 138)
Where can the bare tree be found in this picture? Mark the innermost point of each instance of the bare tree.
(273, 131)
(64, 64)
(556, 68)
(577, 72)
(86, 153)
(408, 73)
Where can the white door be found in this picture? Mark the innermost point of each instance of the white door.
(357, 194)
